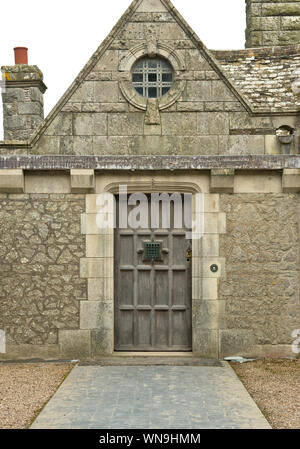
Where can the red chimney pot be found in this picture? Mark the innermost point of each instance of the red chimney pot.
(21, 55)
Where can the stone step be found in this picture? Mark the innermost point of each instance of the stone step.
(152, 361)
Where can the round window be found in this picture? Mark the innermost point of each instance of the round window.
(152, 78)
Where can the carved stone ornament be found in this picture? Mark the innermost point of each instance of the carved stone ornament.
(151, 39)
(152, 112)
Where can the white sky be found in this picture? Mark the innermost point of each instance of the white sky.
(62, 35)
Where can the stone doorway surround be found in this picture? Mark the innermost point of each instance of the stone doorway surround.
(96, 334)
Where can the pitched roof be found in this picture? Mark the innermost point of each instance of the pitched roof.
(107, 42)
(238, 71)
(265, 76)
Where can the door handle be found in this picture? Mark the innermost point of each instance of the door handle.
(189, 254)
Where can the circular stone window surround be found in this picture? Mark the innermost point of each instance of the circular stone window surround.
(165, 52)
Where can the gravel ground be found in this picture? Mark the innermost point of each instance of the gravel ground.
(275, 387)
(24, 390)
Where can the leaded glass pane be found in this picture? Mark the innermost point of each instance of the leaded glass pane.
(167, 77)
(152, 77)
(137, 77)
(152, 92)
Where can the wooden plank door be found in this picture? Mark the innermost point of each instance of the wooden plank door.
(152, 290)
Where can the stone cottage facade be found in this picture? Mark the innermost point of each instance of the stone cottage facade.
(156, 111)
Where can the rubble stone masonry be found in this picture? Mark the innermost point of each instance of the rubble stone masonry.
(40, 250)
(261, 248)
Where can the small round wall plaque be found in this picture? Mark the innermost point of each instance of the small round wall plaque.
(214, 268)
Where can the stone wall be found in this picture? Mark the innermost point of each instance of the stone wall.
(56, 270)
(40, 250)
(261, 292)
(272, 22)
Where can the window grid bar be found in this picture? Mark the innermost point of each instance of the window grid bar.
(152, 84)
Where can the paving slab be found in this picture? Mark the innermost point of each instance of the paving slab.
(151, 397)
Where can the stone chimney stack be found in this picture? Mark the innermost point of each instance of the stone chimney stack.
(22, 97)
(272, 23)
